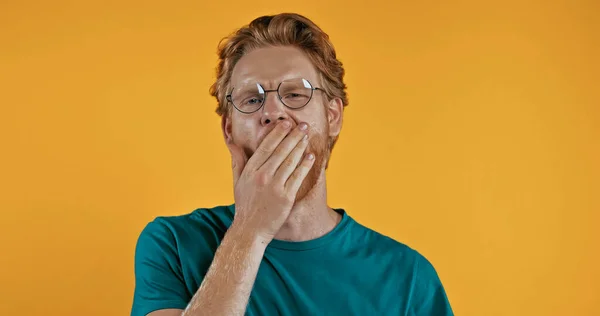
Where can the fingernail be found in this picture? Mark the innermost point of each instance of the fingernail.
(311, 156)
(305, 137)
(286, 124)
(303, 126)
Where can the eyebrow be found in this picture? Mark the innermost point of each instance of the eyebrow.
(276, 82)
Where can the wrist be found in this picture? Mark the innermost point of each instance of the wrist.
(248, 236)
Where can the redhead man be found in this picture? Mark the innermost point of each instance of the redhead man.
(280, 249)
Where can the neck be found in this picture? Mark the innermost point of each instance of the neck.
(310, 217)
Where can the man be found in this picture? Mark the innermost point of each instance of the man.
(280, 249)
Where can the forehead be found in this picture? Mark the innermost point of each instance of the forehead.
(270, 65)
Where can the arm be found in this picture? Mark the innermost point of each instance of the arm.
(263, 203)
(429, 294)
(265, 188)
(228, 283)
(230, 278)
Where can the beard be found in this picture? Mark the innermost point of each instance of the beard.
(319, 146)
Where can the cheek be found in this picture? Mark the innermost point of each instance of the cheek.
(244, 133)
(318, 126)
(315, 117)
(240, 133)
(241, 127)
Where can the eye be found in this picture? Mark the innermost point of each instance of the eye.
(295, 95)
(252, 101)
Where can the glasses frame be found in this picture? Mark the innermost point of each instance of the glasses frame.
(230, 100)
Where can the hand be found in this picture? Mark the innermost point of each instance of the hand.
(265, 186)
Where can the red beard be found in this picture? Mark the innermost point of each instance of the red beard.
(318, 146)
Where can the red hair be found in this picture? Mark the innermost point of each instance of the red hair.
(285, 29)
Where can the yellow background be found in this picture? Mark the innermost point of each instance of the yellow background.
(472, 135)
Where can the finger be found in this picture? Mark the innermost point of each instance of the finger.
(268, 145)
(298, 176)
(291, 162)
(282, 152)
(238, 160)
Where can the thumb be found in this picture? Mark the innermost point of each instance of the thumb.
(238, 159)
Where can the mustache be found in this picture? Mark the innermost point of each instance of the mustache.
(317, 144)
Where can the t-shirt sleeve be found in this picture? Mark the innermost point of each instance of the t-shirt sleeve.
(159, 282)
(429, 297)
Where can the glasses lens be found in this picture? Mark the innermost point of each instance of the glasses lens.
(248, 98)
(295, 93)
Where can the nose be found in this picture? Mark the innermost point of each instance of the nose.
(273, 110)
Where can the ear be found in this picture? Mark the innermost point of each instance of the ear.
(335, 116)
(226, 127)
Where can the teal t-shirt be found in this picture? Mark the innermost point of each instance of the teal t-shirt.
(352, 270)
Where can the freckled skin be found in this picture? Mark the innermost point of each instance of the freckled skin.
(228, 283)
(269, 66)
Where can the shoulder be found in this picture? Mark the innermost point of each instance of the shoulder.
(170, 234)
(426, 294)
(217, 217)
(172, 254)
(383, 245)
(396, 252)
(201, 220)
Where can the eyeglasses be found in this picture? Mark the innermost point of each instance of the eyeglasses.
(293, 93)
